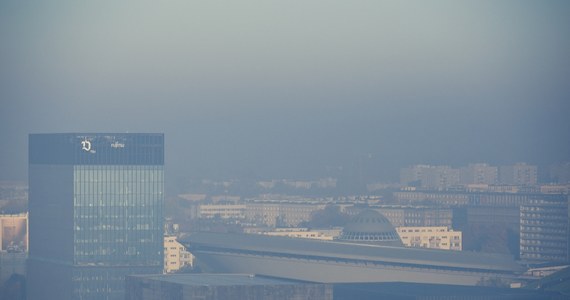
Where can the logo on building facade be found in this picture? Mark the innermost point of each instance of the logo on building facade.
(86, 145)
(117, 145)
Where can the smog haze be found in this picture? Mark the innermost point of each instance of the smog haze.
(282, 89)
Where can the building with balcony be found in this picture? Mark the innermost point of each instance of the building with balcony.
(544, 230)
(176, 257)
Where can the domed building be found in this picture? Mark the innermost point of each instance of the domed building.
(371, 227)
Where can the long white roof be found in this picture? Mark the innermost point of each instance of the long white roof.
(272, 245)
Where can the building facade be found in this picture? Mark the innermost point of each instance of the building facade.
(280, 214)
(433, 237)
(95, 204)
(417, 216)
(519, 174)
(431, 177)
(14, 233)
(176, 256)
(503, 215)
(479, 174)
(560, 173)
(223, 287)
(306, 233)
(544, 230)
(223, 211)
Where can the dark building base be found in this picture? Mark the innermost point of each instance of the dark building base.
(413, 291)
(223, 287)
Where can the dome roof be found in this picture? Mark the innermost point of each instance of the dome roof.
(370, 226)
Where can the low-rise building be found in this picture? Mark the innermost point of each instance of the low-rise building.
(224, 211)
(176, 256)
(14, 233)
(403, 215)
(437, 237)
(555, 189)
(280, 214)
(319, 234)
(418, 216)
(446, 199)
(273, 214)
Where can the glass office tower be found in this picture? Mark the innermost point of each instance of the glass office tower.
(95, 204)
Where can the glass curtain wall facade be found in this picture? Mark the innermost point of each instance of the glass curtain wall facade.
(96, 204)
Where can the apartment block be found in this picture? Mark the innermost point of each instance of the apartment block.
(433, 237)
(176, 256)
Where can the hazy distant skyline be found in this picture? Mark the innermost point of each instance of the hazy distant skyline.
(292, 88)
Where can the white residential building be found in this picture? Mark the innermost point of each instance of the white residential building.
(224, 211)
(519, 174)
(175, 255)
(436, 237)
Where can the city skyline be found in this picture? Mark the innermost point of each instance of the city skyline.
(370, 147)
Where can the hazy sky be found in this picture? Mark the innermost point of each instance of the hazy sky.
(292, 88)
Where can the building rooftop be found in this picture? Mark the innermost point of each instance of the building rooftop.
(371, 227)
(272, 245)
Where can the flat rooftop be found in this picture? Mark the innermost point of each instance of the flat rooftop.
(273, 245)
(204, 279)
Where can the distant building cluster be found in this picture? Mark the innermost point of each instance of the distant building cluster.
(469, 214)
(268, 214)
(284, 213)
(445, 177)
(107, 191)
(533, 226)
